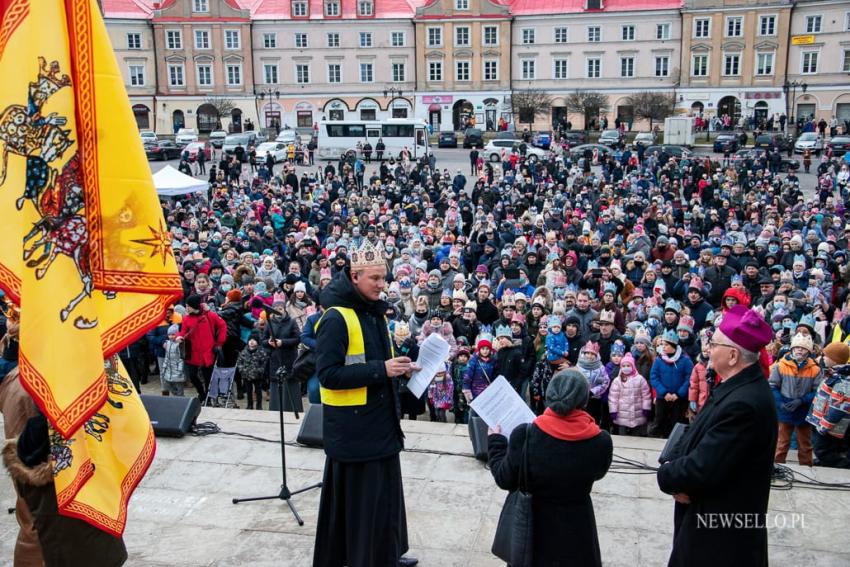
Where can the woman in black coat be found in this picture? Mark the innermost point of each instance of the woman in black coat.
(284, 349)
(566, 454)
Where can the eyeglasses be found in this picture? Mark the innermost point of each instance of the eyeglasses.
(712, 344)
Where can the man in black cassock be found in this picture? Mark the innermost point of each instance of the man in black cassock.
(362, 519)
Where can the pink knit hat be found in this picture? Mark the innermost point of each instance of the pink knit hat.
(628, 359)
(746, 328)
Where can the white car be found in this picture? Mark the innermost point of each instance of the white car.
(811, 141)
(185, 136)
(493, 150)
(147, 136)
(217, 137)
(287, 136)
(644, 139)
(276, 149)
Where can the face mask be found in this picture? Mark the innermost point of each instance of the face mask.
(773, 248)
(226, 287)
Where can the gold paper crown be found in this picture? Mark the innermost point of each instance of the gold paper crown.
(368, 255)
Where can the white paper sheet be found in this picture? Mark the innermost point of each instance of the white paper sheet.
(433, 353)
(500, 405)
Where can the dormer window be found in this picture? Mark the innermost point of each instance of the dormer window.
(332, 8)
(365, 8)
(593, 5)
(299, 9)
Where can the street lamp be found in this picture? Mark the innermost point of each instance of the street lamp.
(792, 86)
(261, 96)
(394, 93)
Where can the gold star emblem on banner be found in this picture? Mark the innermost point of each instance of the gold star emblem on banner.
(160, 242)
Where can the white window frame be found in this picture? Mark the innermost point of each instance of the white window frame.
(398, 77)
(302, 74)
(299, 44)
(211, 69)
(560, 31)
(365, 40)
(461, 4)
(468, 65)
(662, 31)
(365, 8)
(529, 36)
(335, 36)
(332, 13)
(628, 28)
(485, 30)
(702, 56)
(763, 19)
(303, 6)
(847, 21)
(463, 30)
(666, 66)
(623, 60)
(270, 44)
(740, 26)
(597, 35)
(329, 73)
(200, 6)
(698, 27)
(490, 64)
(132, 76)
(275, 71)
(174, 66)
(177, 36)
(726, 59)
(803, 55)
(398, 34)
(845, 63)
(598, 70)
(434, 32)
(528, 69)
(198, 34)
(772, 55)
(367, 65)
(435, 72)
(232, 34)
(138, 37)
(811, 20)
(560, 74)
(227, 68)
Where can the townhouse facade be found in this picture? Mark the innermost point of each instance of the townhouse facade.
(270, 64)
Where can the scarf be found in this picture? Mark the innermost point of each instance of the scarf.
(672, 359)
(584, 365)
(577, 425)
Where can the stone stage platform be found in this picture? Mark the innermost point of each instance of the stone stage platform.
(182, 515)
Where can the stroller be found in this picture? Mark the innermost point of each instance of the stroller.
(220, 393)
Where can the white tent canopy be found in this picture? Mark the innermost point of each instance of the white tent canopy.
(170, 182)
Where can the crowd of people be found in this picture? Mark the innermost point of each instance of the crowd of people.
(621, 272)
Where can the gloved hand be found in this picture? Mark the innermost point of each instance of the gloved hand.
(791, 405)
(614, 415)
(645, 413)
(693, 406)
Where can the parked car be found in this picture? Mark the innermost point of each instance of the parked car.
(162, 150)
(781, 141)
(493, 150)
(147, 136)
(541, 140)
(185, 136)
(259, 136)
(287, 136)
(644, 139)
(277, 149)
(678, 152)
(245, 139)
(811, 141)
(196, 147)
(447, 140)
(787, 163)
(840, 145)
(611, 137)
(217, 138)
(473, 137)
(575, 137)
(724, 141)
(577, 152)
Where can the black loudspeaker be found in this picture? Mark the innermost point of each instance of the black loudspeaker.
(478, 436)
(172, 416)
(310, 432)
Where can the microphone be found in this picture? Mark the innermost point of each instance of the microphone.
(258, 303)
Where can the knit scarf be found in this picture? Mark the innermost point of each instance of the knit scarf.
(585, 365)
(672, 359)
(577, 425)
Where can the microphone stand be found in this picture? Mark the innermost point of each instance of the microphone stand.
(285, 493)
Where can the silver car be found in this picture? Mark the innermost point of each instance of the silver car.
(644, 139)
(811, 141)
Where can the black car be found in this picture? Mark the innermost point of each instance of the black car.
(678, 152)
(780, 141)
(473, 138)
(726, 141)
(162, 150)
(787, 163)
(447, 140)
(840, 145)
(575, 137)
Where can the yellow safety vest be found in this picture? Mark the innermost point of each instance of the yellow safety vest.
(355, 354)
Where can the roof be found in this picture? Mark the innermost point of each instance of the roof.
(281, 9)
(541, 7)
(130, 9)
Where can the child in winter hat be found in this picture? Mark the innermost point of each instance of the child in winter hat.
(590, 365)
(629, 399)
(557, 345)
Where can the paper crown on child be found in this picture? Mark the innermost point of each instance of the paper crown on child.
(799, 259)
(807, 321)
(609, 286)
(686, 323)
(670, 336)
(504, 331)
(367, 255)
(484, 340)
(553, 321)
(673, 305)
(401, 330)
(591, 346)
(459, 294)
(696, 284)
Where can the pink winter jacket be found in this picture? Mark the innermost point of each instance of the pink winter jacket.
(628, 399)
(698, 390)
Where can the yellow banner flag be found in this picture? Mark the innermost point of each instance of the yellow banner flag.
(84, 249)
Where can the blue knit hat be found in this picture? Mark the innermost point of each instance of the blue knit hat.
(618, 348)
(553, 321)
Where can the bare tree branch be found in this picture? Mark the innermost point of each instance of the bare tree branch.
(589, 104)
(223, 106)
(652, 105)
(528, 104)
